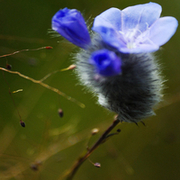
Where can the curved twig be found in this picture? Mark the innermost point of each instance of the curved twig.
(76, 166)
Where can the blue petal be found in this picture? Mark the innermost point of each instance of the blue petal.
(140, 16)
(109, 18)
(144, 48)
(110, 36)
(71, 25)
(106, 62)
(162, 30)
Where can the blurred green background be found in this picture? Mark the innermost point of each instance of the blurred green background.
(52, 144)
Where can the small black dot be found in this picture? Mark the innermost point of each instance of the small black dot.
(22, 123)
(118, 130)
(8, 66)
(61, 113)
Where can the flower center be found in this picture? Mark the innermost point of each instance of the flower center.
(130, 37)
(134, 38)
(131, 45)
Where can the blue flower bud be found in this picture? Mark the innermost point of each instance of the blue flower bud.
(106, 62)
(71, 25)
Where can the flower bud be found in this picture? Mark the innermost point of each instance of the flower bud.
(106, 62)
(70, 24)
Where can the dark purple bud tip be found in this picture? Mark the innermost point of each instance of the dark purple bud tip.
(106, 62)
(22, 123)
(61, 113)
(70, 24)
(8, 66)
(34, 167)
(98, 165)
(118, 130)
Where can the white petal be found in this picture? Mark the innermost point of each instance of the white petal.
(162, 30)
(110, 18)
(140, 16)
(144, 48)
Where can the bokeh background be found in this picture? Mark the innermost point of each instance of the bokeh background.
(49, 145)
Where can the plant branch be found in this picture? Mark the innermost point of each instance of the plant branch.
(45, 85)
(72, 172)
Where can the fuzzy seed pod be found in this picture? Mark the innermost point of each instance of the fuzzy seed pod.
(133, 93)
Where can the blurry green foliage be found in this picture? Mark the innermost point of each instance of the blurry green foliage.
(49, 145)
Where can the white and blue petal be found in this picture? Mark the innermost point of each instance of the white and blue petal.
(162, 30)
(109, 18)
(140, 16)
(141, 48)
(110, 36)
(135, 29)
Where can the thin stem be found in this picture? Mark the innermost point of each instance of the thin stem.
(80, 160)
(23, 50)
(44, 85)
(12, 96)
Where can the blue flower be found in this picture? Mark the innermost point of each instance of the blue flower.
(116, 63)
(71, 25)
(135, 29)
(106, 62)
